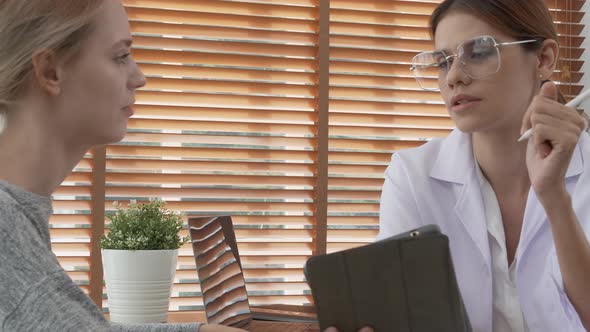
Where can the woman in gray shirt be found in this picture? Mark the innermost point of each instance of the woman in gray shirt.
(67, 83)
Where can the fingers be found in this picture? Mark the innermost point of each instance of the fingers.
(556, 110)
(547, 134)
(549, 90)
(546, 103)
(526, 121)
(565, 125)
(331, 329)
(562, 126)
(561, 120)
(548, 93)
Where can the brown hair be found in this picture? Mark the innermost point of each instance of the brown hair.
(516, 18)
(520, 19)
(30, 25)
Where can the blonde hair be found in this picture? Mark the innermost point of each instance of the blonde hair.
(30, 25)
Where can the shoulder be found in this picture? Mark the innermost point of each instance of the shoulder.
(418, 161)
(6, 199)
(25, 258)
(17, 225)
(424, 154)
(12, 217)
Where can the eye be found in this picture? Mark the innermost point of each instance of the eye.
(477, 50)
(123, 58)
(481, 53)
(442, 63)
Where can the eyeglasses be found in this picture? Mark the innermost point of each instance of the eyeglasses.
(479, 58)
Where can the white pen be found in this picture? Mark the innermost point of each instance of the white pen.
(573, 103)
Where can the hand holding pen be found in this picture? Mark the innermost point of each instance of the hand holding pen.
(557, 130)
(573, 103)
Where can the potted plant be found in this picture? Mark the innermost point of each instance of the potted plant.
(139, 259)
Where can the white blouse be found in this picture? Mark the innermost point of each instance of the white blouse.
(507, 315)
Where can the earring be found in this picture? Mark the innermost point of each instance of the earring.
(540, 76)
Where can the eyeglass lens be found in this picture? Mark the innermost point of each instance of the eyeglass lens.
(478, 58)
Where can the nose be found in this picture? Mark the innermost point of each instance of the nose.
(456, 74)
(137, 78)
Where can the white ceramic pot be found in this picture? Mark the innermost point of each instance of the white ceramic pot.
(138, 284)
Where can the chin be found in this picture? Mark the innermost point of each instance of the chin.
(468, 126)
(118, 137)
(112, 137)
(475, 122)
(118, 132)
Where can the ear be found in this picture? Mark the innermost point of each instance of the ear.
(47, 71)
(547, 58)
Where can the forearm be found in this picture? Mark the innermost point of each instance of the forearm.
(573, 253)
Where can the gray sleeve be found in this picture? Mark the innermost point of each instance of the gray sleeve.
(188, 327)
(57, 304)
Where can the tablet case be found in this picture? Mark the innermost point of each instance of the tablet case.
(405, 283)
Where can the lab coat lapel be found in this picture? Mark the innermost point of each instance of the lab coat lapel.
(455, 164)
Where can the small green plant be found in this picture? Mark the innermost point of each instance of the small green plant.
(148, 226)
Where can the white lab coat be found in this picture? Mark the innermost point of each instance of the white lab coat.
(437, 184)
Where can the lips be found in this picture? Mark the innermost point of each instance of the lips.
(462, 99)
(462, 102)
(128, 110)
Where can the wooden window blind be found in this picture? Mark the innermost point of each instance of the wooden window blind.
(70, 226)
(230, 122)
(226, 125)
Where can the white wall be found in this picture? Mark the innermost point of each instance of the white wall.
(586, 55)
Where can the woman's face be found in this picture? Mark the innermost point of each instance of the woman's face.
(99, 84)
(498, 102)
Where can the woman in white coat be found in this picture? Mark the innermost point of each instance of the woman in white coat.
(517, 213)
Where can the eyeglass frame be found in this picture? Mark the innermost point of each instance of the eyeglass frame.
(449, 64)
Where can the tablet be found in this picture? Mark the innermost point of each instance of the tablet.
(402, 283)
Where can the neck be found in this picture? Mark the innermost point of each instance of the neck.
(34, 156)
(502, 160)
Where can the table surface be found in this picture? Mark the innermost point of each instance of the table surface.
(267, 326)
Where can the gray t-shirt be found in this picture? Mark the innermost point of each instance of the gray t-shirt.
(36, 294)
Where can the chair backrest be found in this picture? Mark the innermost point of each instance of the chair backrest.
(220, 271)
